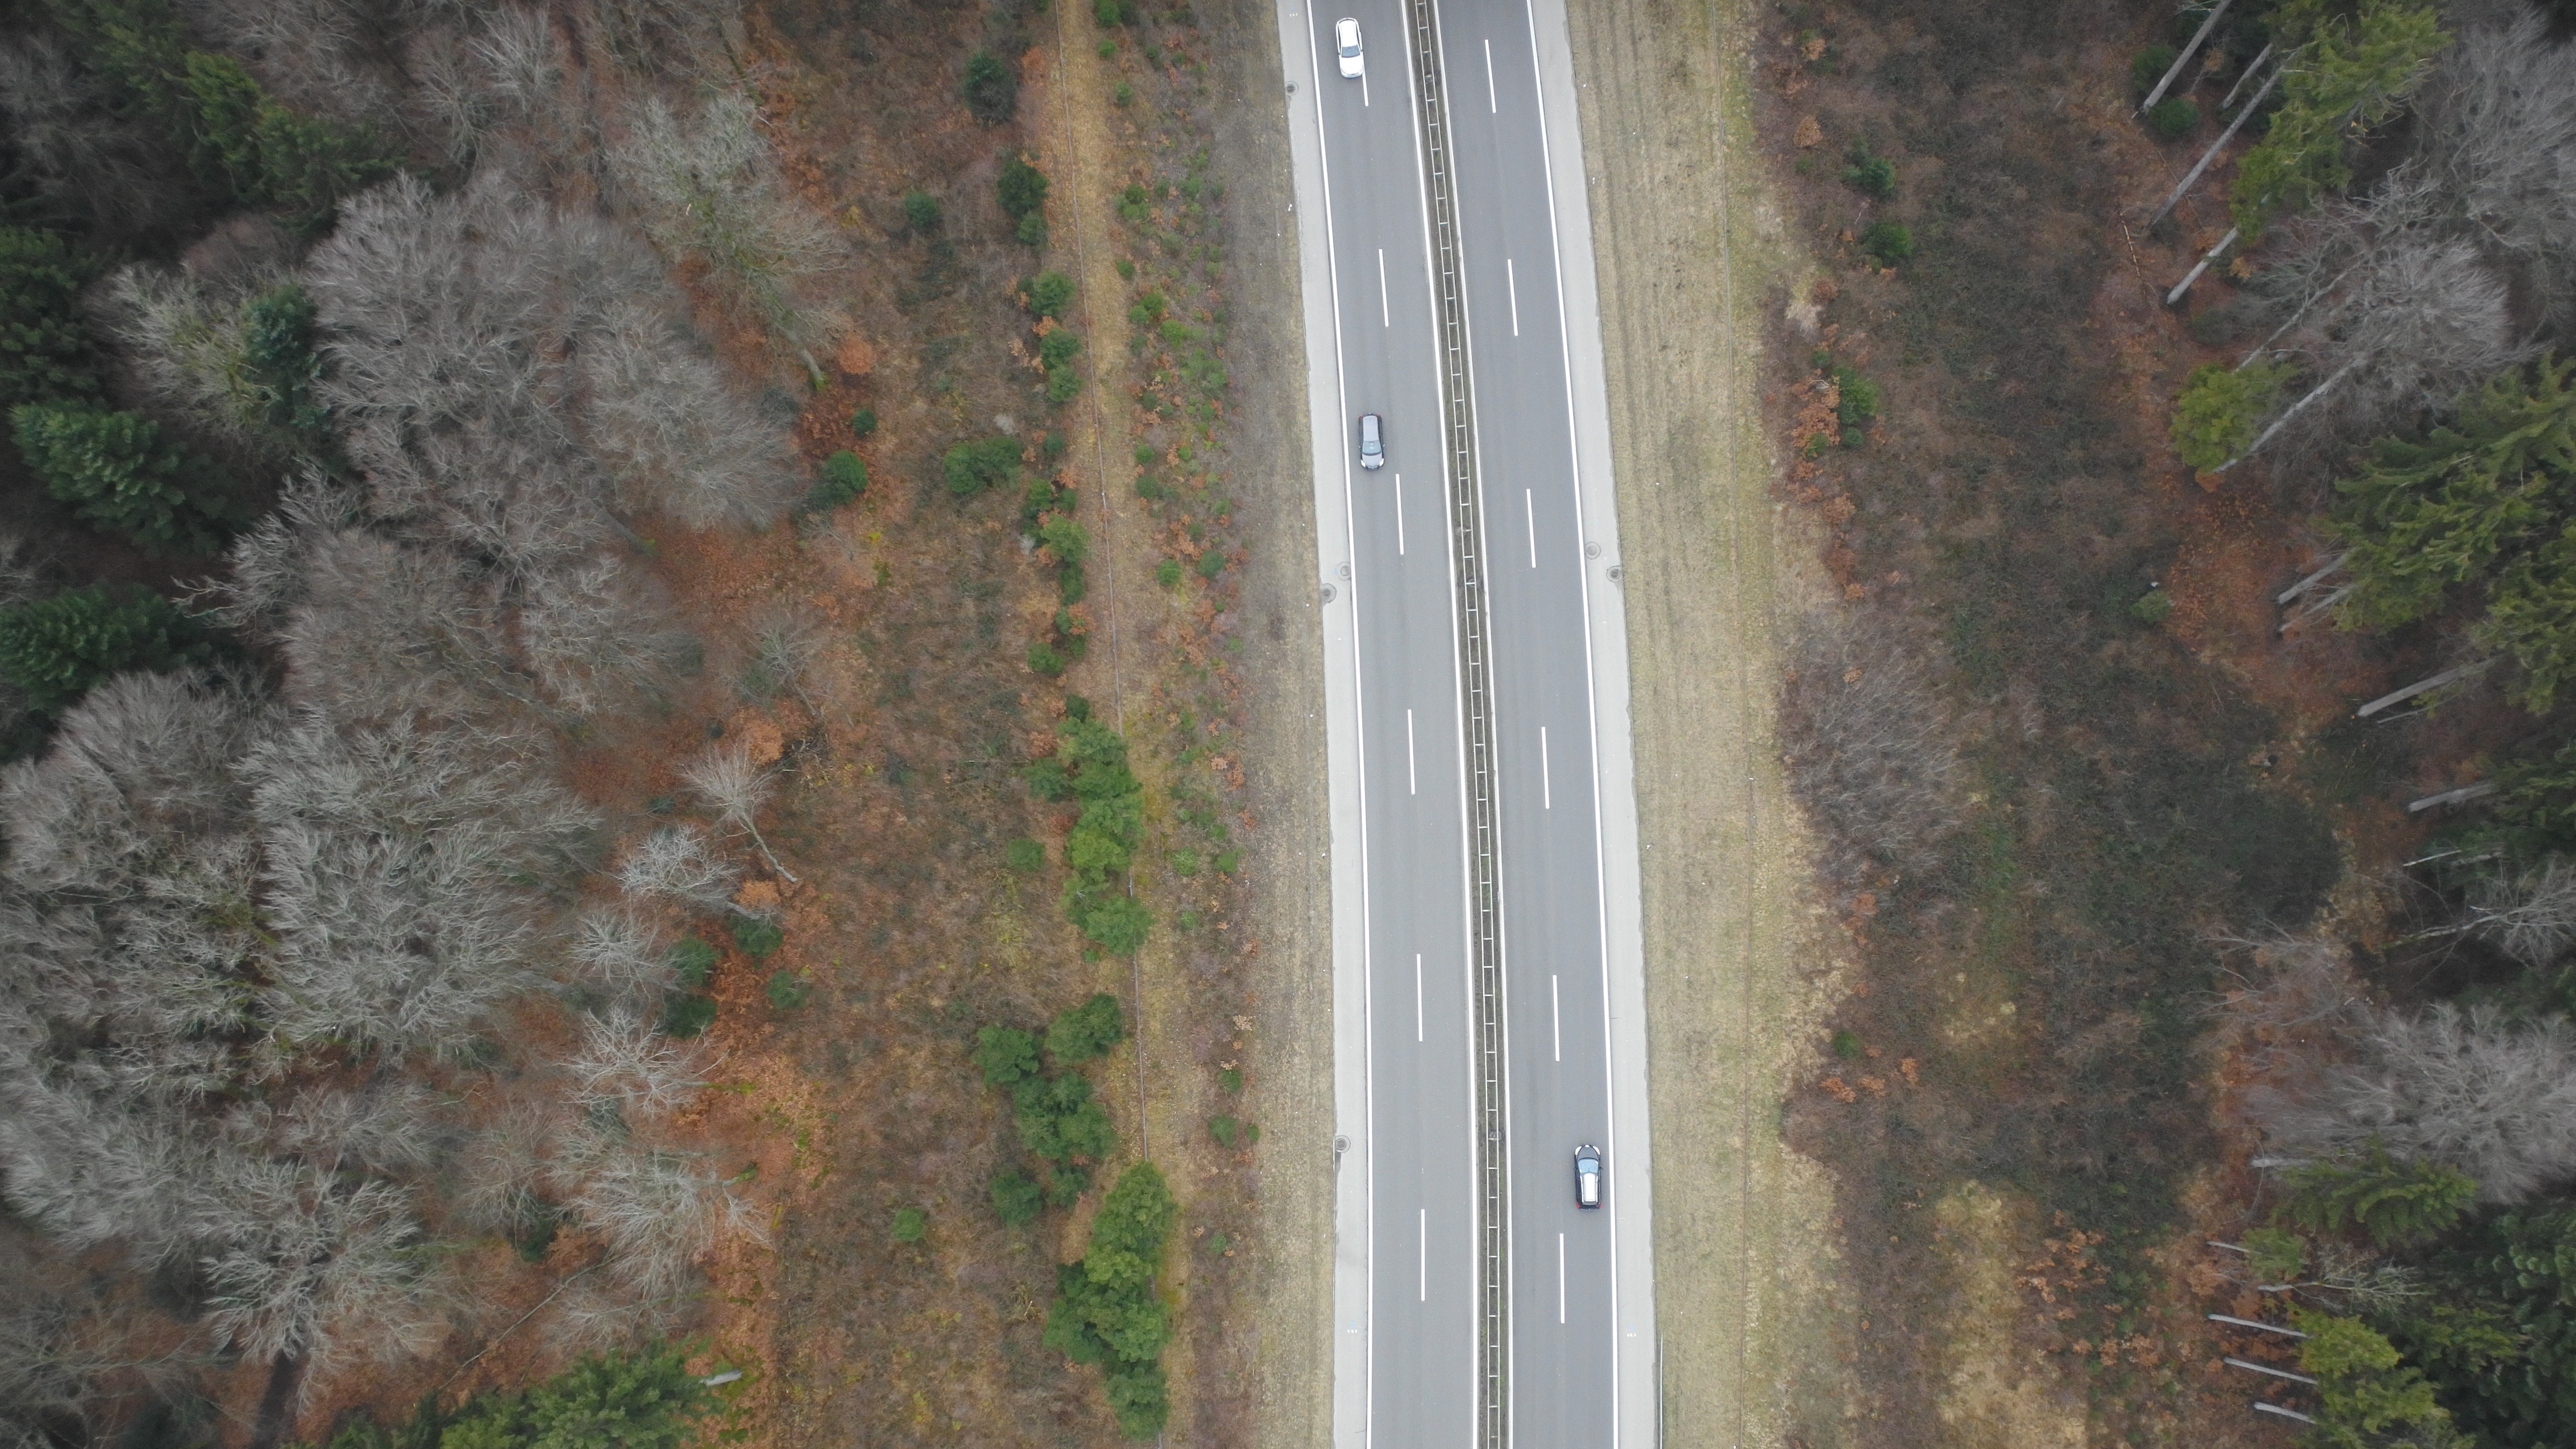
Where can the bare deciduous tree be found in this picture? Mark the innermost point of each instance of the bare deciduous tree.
(312, 1268)
(2462, 1088)
(676, 863)
(2529, 914)
(626, 1063)
(713, 187)
(658, 1209)
(88, 162)
(1868, 744)
(623, 954)
(735, 788)
(591, 639)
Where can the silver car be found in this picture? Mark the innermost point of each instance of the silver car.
(1372, 441)
(1346, 44)
(1587, 1176)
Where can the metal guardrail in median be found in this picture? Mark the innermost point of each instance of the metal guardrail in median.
(1466, 536)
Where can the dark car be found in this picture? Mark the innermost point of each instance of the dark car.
(1372, 441)
(1587, 1176)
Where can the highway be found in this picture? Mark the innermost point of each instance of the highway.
(1419, 1323)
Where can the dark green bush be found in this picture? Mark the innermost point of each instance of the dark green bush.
(1168, 572)
(991, 87)
(1146, 311)
(1122, 94)
(920, 210)
(1211, 563)
(1044, 658)
(757, 936)
(910, 1224)
(2174, 117)
(1888, 242)
(2149, 66)
(1048, 293)
(1109, 14)
(1105, 1310)
(54, 649)
(1859, 405)
(1847, 1045)
(845, 477)
(1080, 1033)
(44, 354)
(2152, 607)
(787, 990)
(646, 1400)
(1875, 175)
(692, 961)
(1006, 1055)
(1135, 204)
(1032, 230)
(117, 471)
(1024, 855)
(1071, 583)
(1020, 187)
(277, 347)
(863, 422)
(1017, 1197)
(1229, 1079)
(973, 466)
(1059, 1119)
(685, 1013)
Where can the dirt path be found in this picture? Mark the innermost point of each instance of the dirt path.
(1753, 1317)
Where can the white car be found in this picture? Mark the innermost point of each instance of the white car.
(1587, 1176)
(1346, 42)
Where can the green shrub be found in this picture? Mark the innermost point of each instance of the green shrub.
(1122, 94)
(2174, 117)
(1110, 14)
(1006, 1055)
(1150, 488)
(692, 961)
(645, 1400)
(1016, 1197)
(1105, 1310)
(1185, 862)
(1024, 855)
(1146, 311)
(911, 1223)
(1064, 538)
(1887, 242)
(55, 649)
(1135, 204)
(2366, 1397)
(1058, 1118)
(1168, 572)
(1858, 407)
(2149, 66)
(1847, 1046)
(1048, 293)
(920, 212)
(1229, 1079)
(1071, 583)
(1874, 175)
(117, 471)
(1020, 187)
(973, 466)
(277, 353)
(2395, 1202)
(1211, 563)
(1032, 230)
(2221, 411)
(268, 155)
(863, 422)
(757, 936)
(1140, 1400)
(1108, 48)
(991, 88)
(1066, 1183)
(845, 477)
(685, 1013)
(1117, 925)
(44, 354)
(1044, 658)
(787, 990)
(2152, 607)
(1226, 1131)
(1080, 1033)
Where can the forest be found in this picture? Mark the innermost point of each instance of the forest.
(2191, 748)
(350, 380)
(2404, 231)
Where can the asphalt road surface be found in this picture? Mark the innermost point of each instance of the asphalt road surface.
(1421, 1157)
(1421, 1253)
